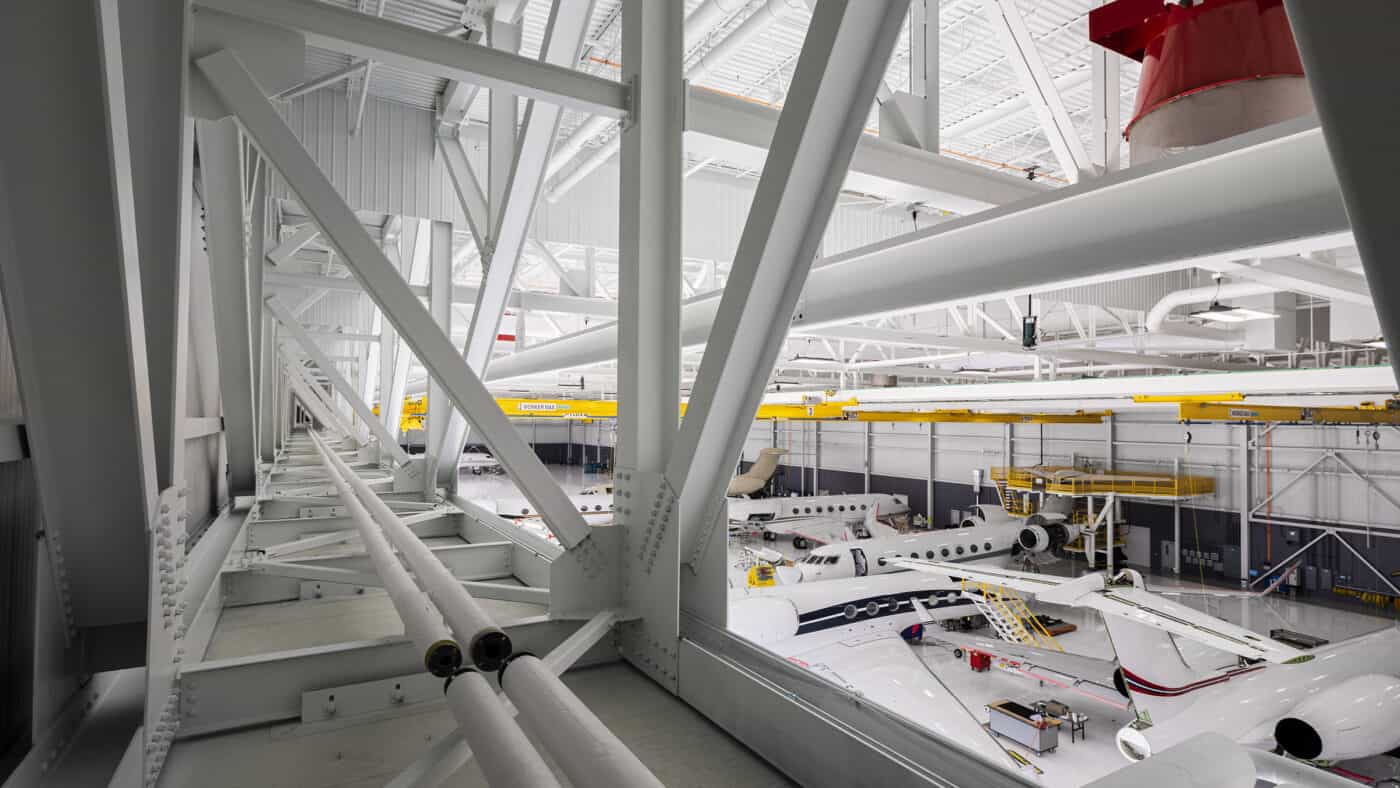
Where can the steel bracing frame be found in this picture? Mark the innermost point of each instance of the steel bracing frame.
(655, 577)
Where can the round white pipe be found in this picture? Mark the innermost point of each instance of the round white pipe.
(442, 656)
(507, 758)
(590, 754)
(759, 21)
(704, 19)
(569, 148)
(600, 156)
(1198, 295)
(487, 645)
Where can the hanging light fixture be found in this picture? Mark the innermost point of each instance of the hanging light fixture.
(1223, 313)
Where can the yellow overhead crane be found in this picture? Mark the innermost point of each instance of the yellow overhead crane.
(982, 417)
(1228, 408)
(1366, 413)
(586, 410)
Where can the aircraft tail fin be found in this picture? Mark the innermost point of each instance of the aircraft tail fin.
(1152, 670)
(758, 474)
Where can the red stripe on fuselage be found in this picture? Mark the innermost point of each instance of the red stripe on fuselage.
(1138, 684)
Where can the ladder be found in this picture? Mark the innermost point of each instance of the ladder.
(1002, 493)
(1006, 611)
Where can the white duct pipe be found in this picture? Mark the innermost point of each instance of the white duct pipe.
(507, 758)
(442, 656)
(1199, 295)
(760, 20)
(487, 645)
(590, 754)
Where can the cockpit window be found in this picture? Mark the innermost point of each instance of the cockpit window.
(831, 559)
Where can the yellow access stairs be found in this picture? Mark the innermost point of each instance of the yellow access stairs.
(1008, 614)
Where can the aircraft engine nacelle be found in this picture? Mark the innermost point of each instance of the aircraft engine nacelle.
(1358, 718)
(1040, 534)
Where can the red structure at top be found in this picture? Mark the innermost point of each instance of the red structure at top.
(1190, 49)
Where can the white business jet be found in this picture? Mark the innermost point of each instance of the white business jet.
(852, 632)
(1336, 702)
(817, 519)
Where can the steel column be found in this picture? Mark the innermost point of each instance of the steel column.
(440, 306)
(649, 348)
(225, 232)
(391, 404)
(1176, 522)
(162, 164)
(513, 211)
(1348, 53)
(1243, 491)
(391, 293)
(70, 278)
(812, 150)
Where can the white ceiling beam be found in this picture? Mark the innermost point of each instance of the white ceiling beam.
(1305, 276)
(462, 295)
(303, 235)
(1021, 52)
(426, 52)
(566, 282)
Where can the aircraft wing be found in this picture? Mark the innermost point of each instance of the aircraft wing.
(820, 530)
(1127, 600)
(885, 670)
(1087, 676)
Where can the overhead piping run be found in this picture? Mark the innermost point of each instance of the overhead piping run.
(1277, 182)
(760, 20)
(442, 656)
(1199, 295)
(506, 756)
(487, 645)
(587, 752)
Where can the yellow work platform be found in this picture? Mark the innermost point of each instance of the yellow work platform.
(1063, 480)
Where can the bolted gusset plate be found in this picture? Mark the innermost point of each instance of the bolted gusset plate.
(644, 505)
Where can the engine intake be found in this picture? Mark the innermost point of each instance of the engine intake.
(1355, 719)
(1039, 535)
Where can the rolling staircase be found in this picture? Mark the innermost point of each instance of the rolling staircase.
(1006, 611)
